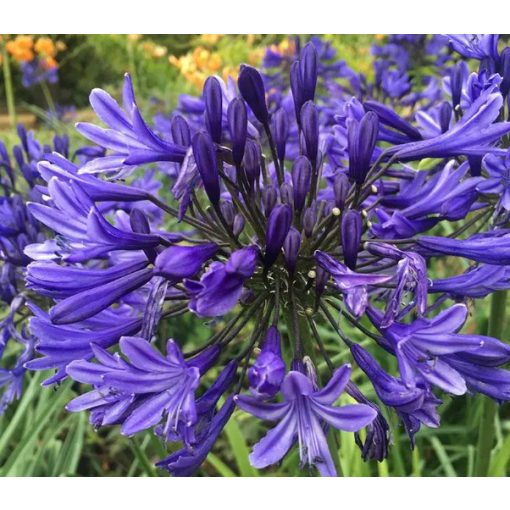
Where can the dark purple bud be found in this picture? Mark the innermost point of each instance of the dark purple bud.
(269, 198)
(341, 189)
(504, 87)
(321, 279)
(252, 89)
(308, 68)
(205, 158)
(310, 127)
(456, 79)
(251, 161)
(267, 373)
(475, 165)
(181, 134)
(228, 211)
(309, 220)
(301, 179)
(361, 140)
(213, 98)
(445, 116)
(287, 195)
(238, 127)
(351, 236)
(238, 225)
(296, 87)
(280, 129)
(278, 226)
(139, 222)
(291, 248)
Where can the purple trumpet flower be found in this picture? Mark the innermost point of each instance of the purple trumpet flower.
(178, 262)
(477, 46)
(220, 288)
(267, 373)
(490, 247)
(471, 136)
(158, 388)
(185, 462)
(352, 285)
(425, 347)
(60, 345)
(302, 417)
(411, 274)
(415, 405)
(133, 143)
(477, 282)
(498, 181)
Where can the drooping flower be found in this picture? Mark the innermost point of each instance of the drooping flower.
(302, 417)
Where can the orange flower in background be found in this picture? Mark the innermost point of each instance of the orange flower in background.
(255, 56)
(21, 48)
(211, 38)
(198, 65)
(44, 46)
(49, 63)
(285, 48)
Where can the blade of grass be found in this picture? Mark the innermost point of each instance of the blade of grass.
(443, 457)
(28, 441)
(239, 448)
(22, 409)
(220, 466)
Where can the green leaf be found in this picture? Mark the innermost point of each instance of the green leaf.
(220, 466)
(445, 461)
(22, 451)
(239, 448)
(428, 163)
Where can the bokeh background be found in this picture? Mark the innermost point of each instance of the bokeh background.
(45, 81)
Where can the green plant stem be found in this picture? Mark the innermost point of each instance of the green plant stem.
(9, 90)
(48, 98)
(489, 407)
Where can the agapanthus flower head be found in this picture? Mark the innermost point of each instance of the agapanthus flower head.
(299, 203)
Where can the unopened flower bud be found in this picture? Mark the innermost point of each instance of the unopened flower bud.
(301, 179)
(213, 97)
(278, 226)
(351, 237)
(251, 86)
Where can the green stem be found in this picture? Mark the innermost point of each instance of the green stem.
(489, 407)
(140, 455)
(48, 98)
(9, 91)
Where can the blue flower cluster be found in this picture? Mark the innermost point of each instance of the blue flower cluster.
(303, 195)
